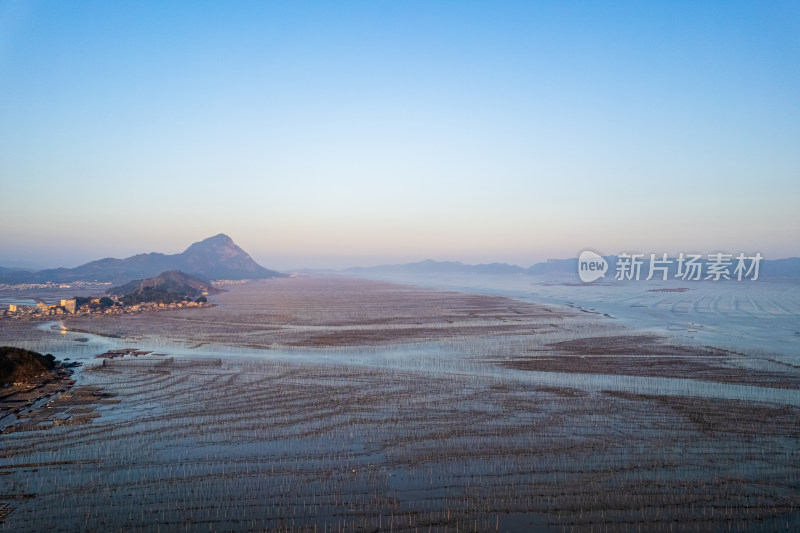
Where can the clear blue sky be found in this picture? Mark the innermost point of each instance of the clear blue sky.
(345, 133)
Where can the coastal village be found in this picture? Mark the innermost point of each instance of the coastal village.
(93, 307)
(167, 291)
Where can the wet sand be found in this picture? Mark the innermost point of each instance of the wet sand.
(253, 445)
(326, 312)
(367, 437)
(18, 397)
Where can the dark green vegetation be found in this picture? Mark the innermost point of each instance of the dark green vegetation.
(167, 287)
(18, 365)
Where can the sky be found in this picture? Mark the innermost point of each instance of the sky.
(334, 134)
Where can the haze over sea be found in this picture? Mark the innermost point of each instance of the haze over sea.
(358, 133)
(761, 315)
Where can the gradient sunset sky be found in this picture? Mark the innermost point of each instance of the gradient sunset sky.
(356, 133)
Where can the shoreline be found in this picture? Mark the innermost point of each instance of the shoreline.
(19, 400)
(150, 307)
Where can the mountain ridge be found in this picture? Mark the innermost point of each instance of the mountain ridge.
(216, 257)
(772, 268)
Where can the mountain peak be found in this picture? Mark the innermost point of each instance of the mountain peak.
(220, 237)
(216, 243)
(216, 257)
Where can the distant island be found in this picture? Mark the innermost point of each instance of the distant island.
(216, 257)
(168, 287)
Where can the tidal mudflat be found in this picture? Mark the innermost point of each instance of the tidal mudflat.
(327, 404)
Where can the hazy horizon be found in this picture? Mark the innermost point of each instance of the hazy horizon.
(362, 133)
(288, 264)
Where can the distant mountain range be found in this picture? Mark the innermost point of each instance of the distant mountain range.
(768, 268)
(217, 257)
